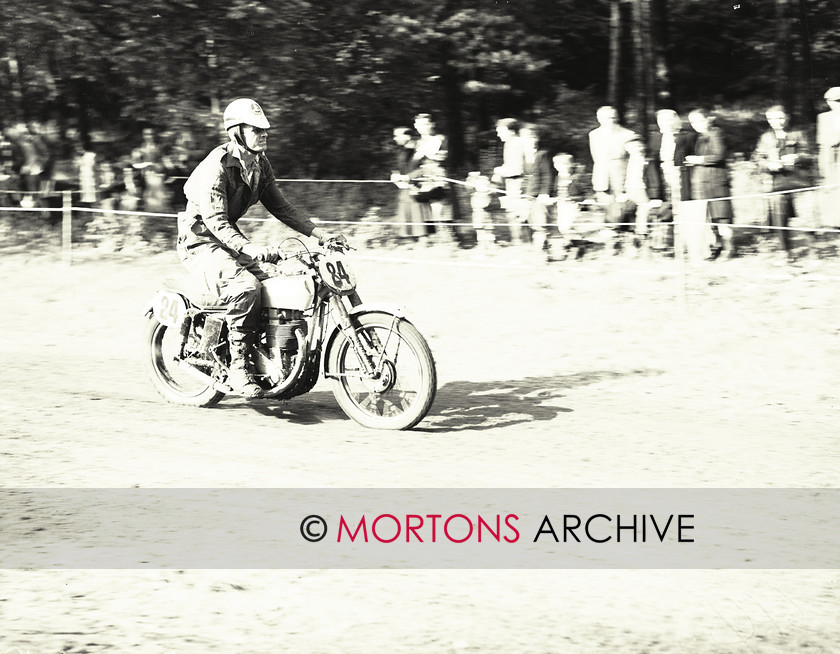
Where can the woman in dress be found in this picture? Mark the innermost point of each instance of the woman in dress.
(710, 179)
(410, 214)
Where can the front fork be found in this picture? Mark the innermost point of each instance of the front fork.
(345, 323)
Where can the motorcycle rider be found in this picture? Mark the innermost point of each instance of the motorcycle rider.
(231, 179)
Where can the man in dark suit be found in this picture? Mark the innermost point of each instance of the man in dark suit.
(783, 155)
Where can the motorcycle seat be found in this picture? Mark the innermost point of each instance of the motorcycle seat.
(194, 291)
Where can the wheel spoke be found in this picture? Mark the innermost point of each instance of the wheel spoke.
(403, 389)
(392, 403)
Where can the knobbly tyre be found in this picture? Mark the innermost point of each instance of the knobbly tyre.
(313, 322)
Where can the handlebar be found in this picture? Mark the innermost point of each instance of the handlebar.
(337, 244)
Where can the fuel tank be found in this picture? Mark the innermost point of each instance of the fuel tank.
(288, 292)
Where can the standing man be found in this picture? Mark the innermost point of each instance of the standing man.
(608, 147)
(510, 174)
(783, 155)
(231, 179)
(828, 142)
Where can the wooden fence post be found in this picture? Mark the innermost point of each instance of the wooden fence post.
(67, 227)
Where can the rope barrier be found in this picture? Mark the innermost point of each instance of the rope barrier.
(577, 224)
(147, 214)
(338, 181)
(589, 226)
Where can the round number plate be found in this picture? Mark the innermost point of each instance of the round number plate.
(336, 273)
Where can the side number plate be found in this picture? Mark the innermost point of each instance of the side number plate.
(169, 308)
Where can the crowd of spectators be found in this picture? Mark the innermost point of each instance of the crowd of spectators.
(37, 161)
(643, 190)
(670, 190)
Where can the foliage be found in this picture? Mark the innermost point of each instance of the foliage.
(336, 76)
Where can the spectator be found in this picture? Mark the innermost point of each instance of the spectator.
(570, 189)
(569, 193)
(49, 139)
(108, 182)
(828, 143)
(178, 162)
(710, 179)
(608, 146)
(483, 200)
(536, 185)
(68, 149)
(509, 173)
(8, 174)
(87, 178)
(429, 176)
(33, 158)
(147, 164)
(783, 156)
(410, 214)
(130, 195)
(641, 188)
(668, 149)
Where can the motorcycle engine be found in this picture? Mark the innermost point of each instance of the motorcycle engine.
(280, 340)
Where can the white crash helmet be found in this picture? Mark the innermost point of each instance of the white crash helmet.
(245, 111)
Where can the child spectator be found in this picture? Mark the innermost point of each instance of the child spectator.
(569, 193)
(642, 189)
(483, 201)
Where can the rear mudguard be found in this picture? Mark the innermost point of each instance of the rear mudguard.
(390, 309)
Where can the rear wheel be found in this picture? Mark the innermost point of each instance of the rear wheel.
(402, 394)
(172, 380)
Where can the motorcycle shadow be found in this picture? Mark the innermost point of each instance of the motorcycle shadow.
(314, 408)
(465, 405)
(477, 406)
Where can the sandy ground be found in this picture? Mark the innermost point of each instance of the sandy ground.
(604, 372)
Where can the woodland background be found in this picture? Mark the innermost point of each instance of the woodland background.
(336, 76)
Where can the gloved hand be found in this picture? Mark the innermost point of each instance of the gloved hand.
(324, 237)
(261, 253)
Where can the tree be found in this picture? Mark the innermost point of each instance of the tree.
(476, 57)
(615, 91)
(643, 65)
(660, 58)
(784, 86)
(336, 75)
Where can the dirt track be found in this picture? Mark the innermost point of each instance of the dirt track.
(608, 372)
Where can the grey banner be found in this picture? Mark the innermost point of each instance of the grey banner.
(419, 528)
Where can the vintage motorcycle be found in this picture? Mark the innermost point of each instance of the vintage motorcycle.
(379, 365)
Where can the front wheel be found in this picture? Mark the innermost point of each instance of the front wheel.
(174, 383)
(402, 393)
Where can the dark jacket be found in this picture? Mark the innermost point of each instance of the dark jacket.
(218, 196)
(710, 179)
(791, 176)
(684, 145)
(537, 175)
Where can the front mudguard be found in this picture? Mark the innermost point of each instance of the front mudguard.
(358, 310)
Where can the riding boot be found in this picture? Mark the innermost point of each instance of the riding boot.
(239, 375)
